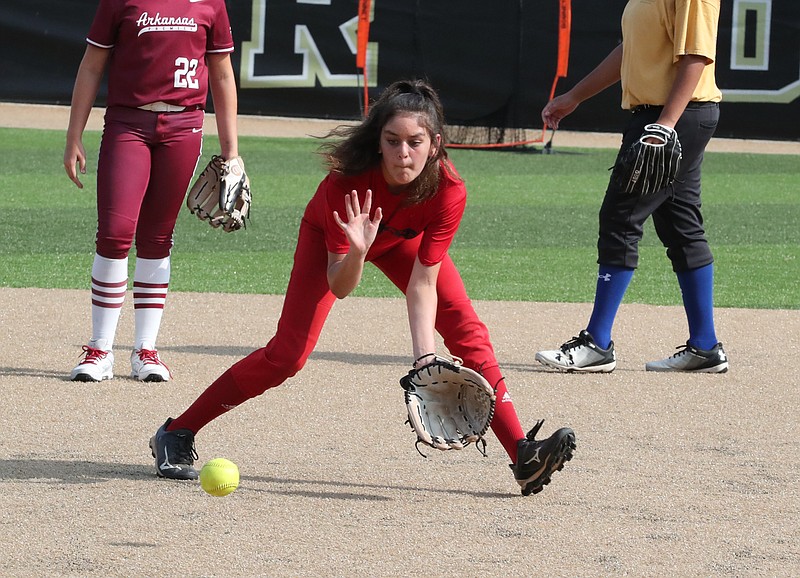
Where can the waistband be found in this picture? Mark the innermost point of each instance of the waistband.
(164, 107)
(691, 104)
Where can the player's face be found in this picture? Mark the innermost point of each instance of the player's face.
(405, 148)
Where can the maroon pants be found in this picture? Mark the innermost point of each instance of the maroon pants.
(146, 163)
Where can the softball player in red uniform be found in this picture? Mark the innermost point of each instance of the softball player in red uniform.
(392, 198)
(666, 66)
(161, 58)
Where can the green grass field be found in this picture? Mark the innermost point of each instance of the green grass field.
(528, 234)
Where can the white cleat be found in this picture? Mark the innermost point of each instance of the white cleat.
(147, 366)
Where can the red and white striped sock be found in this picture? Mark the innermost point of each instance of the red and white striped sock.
(150, 285)
(109, 283)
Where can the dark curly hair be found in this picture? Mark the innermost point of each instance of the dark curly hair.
(358, 149)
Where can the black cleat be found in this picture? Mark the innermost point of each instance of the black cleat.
(174, 453)
(537, 460)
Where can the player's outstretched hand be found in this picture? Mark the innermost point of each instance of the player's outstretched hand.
(359, 228)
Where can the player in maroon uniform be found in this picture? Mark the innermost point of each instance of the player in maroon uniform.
(395, 162)
(161, 58)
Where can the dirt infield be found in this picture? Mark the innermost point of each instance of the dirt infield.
(674, 475)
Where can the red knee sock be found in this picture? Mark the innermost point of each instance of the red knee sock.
(505, 423)
(220, 397)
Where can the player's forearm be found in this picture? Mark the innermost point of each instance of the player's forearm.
(690, 69)
(223, 91)
(344, 275)
(421, 321)
(604, 75)
(422, 302)
(79, 114)
(225, 111)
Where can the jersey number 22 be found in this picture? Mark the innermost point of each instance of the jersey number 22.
(185, 73)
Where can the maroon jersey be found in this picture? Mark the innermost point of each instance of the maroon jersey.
(159, 48)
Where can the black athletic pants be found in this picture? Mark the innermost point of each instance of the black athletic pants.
(675, 210)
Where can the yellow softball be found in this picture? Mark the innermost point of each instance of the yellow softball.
(219, 477)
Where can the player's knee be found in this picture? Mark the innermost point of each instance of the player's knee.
(618, 248)
(264, 369)
(621, 256)
(690, 256)
(291, 367)
(112, 248)
(154, 248)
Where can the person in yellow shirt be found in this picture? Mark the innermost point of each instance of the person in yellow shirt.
(665, 65)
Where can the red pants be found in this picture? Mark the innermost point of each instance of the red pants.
(146, 162)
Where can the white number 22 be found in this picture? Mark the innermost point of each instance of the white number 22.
(185, 73)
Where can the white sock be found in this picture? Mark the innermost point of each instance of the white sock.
(150, 284)
(109, 283)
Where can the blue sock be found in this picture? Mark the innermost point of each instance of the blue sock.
(697, 287)
(612, 282)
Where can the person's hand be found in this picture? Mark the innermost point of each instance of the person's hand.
(668, 127)
(557, 109)
(74, 160)
(359, 228)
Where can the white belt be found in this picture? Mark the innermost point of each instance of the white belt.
(162, 107)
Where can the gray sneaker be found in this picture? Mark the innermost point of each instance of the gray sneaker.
(580, 354)
(692, 359)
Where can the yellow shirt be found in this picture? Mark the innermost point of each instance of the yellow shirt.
(655, 34)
